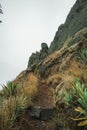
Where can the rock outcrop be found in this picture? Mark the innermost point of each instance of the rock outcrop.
(38, 56)
(73, 24)
(76, 20)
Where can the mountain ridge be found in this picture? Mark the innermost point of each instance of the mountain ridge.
(73, 24)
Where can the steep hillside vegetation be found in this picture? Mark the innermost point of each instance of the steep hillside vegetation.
(51, 94)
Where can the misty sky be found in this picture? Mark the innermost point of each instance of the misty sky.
(26, 24)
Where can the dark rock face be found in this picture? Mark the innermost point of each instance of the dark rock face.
(38, 56)
(42, 114)
(34, 58)
(76, 20)
(43, 51)
(44, 47)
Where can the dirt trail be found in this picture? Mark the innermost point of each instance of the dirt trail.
(43, 99)
(44, 96)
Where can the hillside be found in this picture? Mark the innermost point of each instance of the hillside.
(75, 21)
(51, 94)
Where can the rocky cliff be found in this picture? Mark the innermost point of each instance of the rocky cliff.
(51, 94)
(73, 24)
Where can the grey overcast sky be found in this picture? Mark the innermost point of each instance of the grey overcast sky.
(26, 24)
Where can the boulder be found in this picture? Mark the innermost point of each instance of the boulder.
(34, 111)
(42, 114)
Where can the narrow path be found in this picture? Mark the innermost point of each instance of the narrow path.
(44, 96)
(44, 99)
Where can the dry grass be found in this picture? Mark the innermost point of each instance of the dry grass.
(53, 56)
(27, 85)
(10, 110)
(75, 68)
(67, 77)
(12, 106)
(54, 80)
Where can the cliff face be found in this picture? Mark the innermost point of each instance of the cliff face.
(73, 24)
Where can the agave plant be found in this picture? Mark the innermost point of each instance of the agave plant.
(83, 54)
(11, 109)
(68, 97)
(9, 89)
(77, 98)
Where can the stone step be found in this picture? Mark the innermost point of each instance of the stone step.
(40, 113)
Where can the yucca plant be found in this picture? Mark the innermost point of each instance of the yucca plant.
(11, 109)
(9, 89)
(14, 99)
(77, 98)
(68, 97)
(82, 57)
(83, 54)
(12, 106)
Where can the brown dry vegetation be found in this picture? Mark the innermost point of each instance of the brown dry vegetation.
(13, 105)
(62, 68)
(27, 84)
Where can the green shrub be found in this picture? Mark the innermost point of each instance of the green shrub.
(77, 98)
(12, 107)
(82, 55)
(9, 89)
